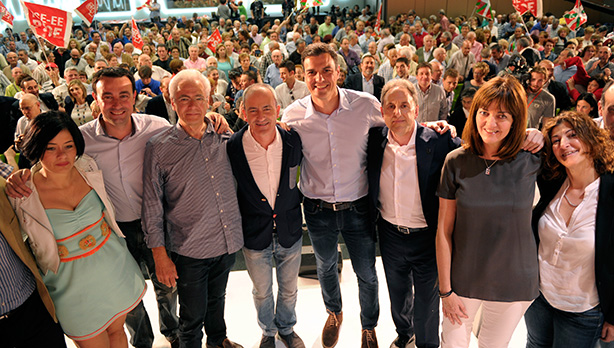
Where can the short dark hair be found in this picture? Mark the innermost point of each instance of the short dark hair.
(288, 64)
(424, 65)
(403, 60)
(318, 49)
(450, 72)
(145, 72)
(234, 73)
(112, 73)
(44, 128)
(24, 78)
(251, 75)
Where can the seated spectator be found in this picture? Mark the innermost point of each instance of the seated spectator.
(587, 104)
(77, 104)
(147, 85)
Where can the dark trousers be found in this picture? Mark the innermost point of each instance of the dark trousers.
(202, 294)
(30, 325)
(410, 264)
(137, 321)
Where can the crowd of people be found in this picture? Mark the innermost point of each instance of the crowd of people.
(163, 162)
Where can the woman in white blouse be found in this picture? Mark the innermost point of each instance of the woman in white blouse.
(574, 225)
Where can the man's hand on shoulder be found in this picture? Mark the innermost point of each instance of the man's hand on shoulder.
(16, 184)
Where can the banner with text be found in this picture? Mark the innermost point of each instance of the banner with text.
(50, 23)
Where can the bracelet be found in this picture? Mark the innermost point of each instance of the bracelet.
(447, 294)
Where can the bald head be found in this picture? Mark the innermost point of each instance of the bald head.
(29, 106)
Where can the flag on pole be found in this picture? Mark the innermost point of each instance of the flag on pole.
(534, 6)
(5, 15)
(50, 23)
(317, 3)
(147, 3)
(214, 39)
(87, 11)
(378, 22)
(576, 17)
(484, 9)
(137, 40)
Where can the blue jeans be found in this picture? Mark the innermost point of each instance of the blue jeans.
(137, 321)
(550, 327)
(324, 227)
(280, 317)
(202, 294)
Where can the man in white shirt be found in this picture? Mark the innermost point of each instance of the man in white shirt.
(264, 160)
(404, 161)
(291, 89)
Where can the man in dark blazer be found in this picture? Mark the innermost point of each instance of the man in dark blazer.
(404, 161)
(264, 160)
(358, 82)
(160, 104)
(47, 100)
(32, 321)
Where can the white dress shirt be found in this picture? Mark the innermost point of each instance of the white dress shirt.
(367, 86)
(286, 96)
(399, 191)
(265, 164)
(334, 166)
(567, 253)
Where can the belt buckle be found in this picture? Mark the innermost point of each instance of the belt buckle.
(335, 206)
(404, 230)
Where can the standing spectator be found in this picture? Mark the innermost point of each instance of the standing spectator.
(463, 60)
(292, 89)
(272, 76)
(540, 102)
(366, 81)
(430, 98)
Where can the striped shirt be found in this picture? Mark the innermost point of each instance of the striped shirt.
(188, 190)
(16, 281)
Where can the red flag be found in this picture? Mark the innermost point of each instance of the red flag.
(147, 3)
(378, 22)
(524, 6)
(50, 23)
(7, 17)
(87, 11)
(137, 40)
(214, 40)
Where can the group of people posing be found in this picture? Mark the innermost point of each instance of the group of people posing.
(128, 193)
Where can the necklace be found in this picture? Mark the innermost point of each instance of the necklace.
(568, 202)
(487, 171)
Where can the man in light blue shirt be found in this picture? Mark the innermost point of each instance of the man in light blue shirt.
(272, 76)
(333, 124)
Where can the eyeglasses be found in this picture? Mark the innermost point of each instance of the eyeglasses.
(291, 95)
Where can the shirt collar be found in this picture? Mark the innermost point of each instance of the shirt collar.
(252, 141)
(412, 139)
(136, 126)
(344, 103)
(183, 135)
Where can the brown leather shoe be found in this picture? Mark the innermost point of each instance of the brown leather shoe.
(369, 340)
(330, 333)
